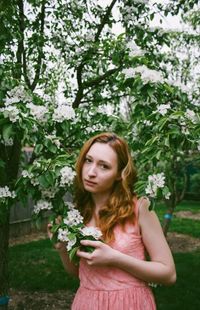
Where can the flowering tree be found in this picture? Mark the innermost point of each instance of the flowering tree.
(65, 75)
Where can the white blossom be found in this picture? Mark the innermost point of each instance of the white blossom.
(190, 115)
(185, 130)
(70, 205)
(16, 95)
(97, 127)
(155, 181)
(5, 192)
(167, 196)
(63, 112)
(34, 182)
(8, 142)
(147, 75)
(71, 243)
(184, 88)
(163, 108)
(107, 109)
(54, 140)
(42, 205)
(49, 193)
(38, 111)
(67, 176)
(26, 174)
(12, 112)
(147, 122)
(73, 218)
(63, 235)
(129, 72)
(91, 231)
(134, 49)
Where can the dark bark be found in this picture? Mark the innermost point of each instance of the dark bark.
(4, 240)
(167, 220)
(11, 156)
(41, 45)
(82, 86)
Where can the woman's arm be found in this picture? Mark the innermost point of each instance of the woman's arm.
(61, 249)
(160, 269)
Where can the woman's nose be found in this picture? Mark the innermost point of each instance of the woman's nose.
(92, 171)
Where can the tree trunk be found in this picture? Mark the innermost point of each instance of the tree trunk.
(11, 157)
(4, 241)
(170, 204)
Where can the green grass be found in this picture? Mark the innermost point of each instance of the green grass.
(36, 266)
(182, 225)
(184, 295)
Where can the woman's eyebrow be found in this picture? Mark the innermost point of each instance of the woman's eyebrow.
(104, 162)
(101, 161)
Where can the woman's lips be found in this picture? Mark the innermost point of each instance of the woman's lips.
(90, 183)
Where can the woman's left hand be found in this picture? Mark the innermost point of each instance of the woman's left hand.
(103, 254)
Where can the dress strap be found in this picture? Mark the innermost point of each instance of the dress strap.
(136, 214)
(138, 203)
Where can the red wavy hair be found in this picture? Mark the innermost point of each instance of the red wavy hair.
(119, 207)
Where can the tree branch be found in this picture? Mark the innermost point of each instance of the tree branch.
(17, 74)
(40, 52)
(99, 79)
(105, 20)
(80, 68)
(23, 52)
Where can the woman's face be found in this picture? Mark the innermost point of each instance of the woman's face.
(100, 169)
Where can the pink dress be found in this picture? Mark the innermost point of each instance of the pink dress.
(109, 288)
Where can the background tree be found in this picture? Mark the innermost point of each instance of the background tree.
(65, 75)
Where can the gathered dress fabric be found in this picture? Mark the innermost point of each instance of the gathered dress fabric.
(110, 288)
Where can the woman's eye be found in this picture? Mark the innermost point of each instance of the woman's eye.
(88, 160)
(104, 166)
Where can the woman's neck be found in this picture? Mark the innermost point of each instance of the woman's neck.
(100, 201)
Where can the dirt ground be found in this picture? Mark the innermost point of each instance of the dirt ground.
(21, 300)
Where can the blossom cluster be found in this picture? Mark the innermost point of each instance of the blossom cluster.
(107, 109)
(70, 229)
(15, 95)
(42, 205)
(134, 49)
(63, 112)
(163, 108)
(38, 111)
(67, 176)
(5, 192)
(155, 182)
(147, 75)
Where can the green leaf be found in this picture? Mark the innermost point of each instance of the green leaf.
(72, 254)
(7, 131)
(2, 163)
(158, 154)
(167, 141)
(38, 148)
(43, 181)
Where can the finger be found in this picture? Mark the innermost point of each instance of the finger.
(82, 254)
(91, 243)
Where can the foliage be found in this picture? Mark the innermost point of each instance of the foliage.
(54, 113)
(65, 76)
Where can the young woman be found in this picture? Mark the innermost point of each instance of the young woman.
(115, 276)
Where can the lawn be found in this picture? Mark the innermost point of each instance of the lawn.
(36, 267)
